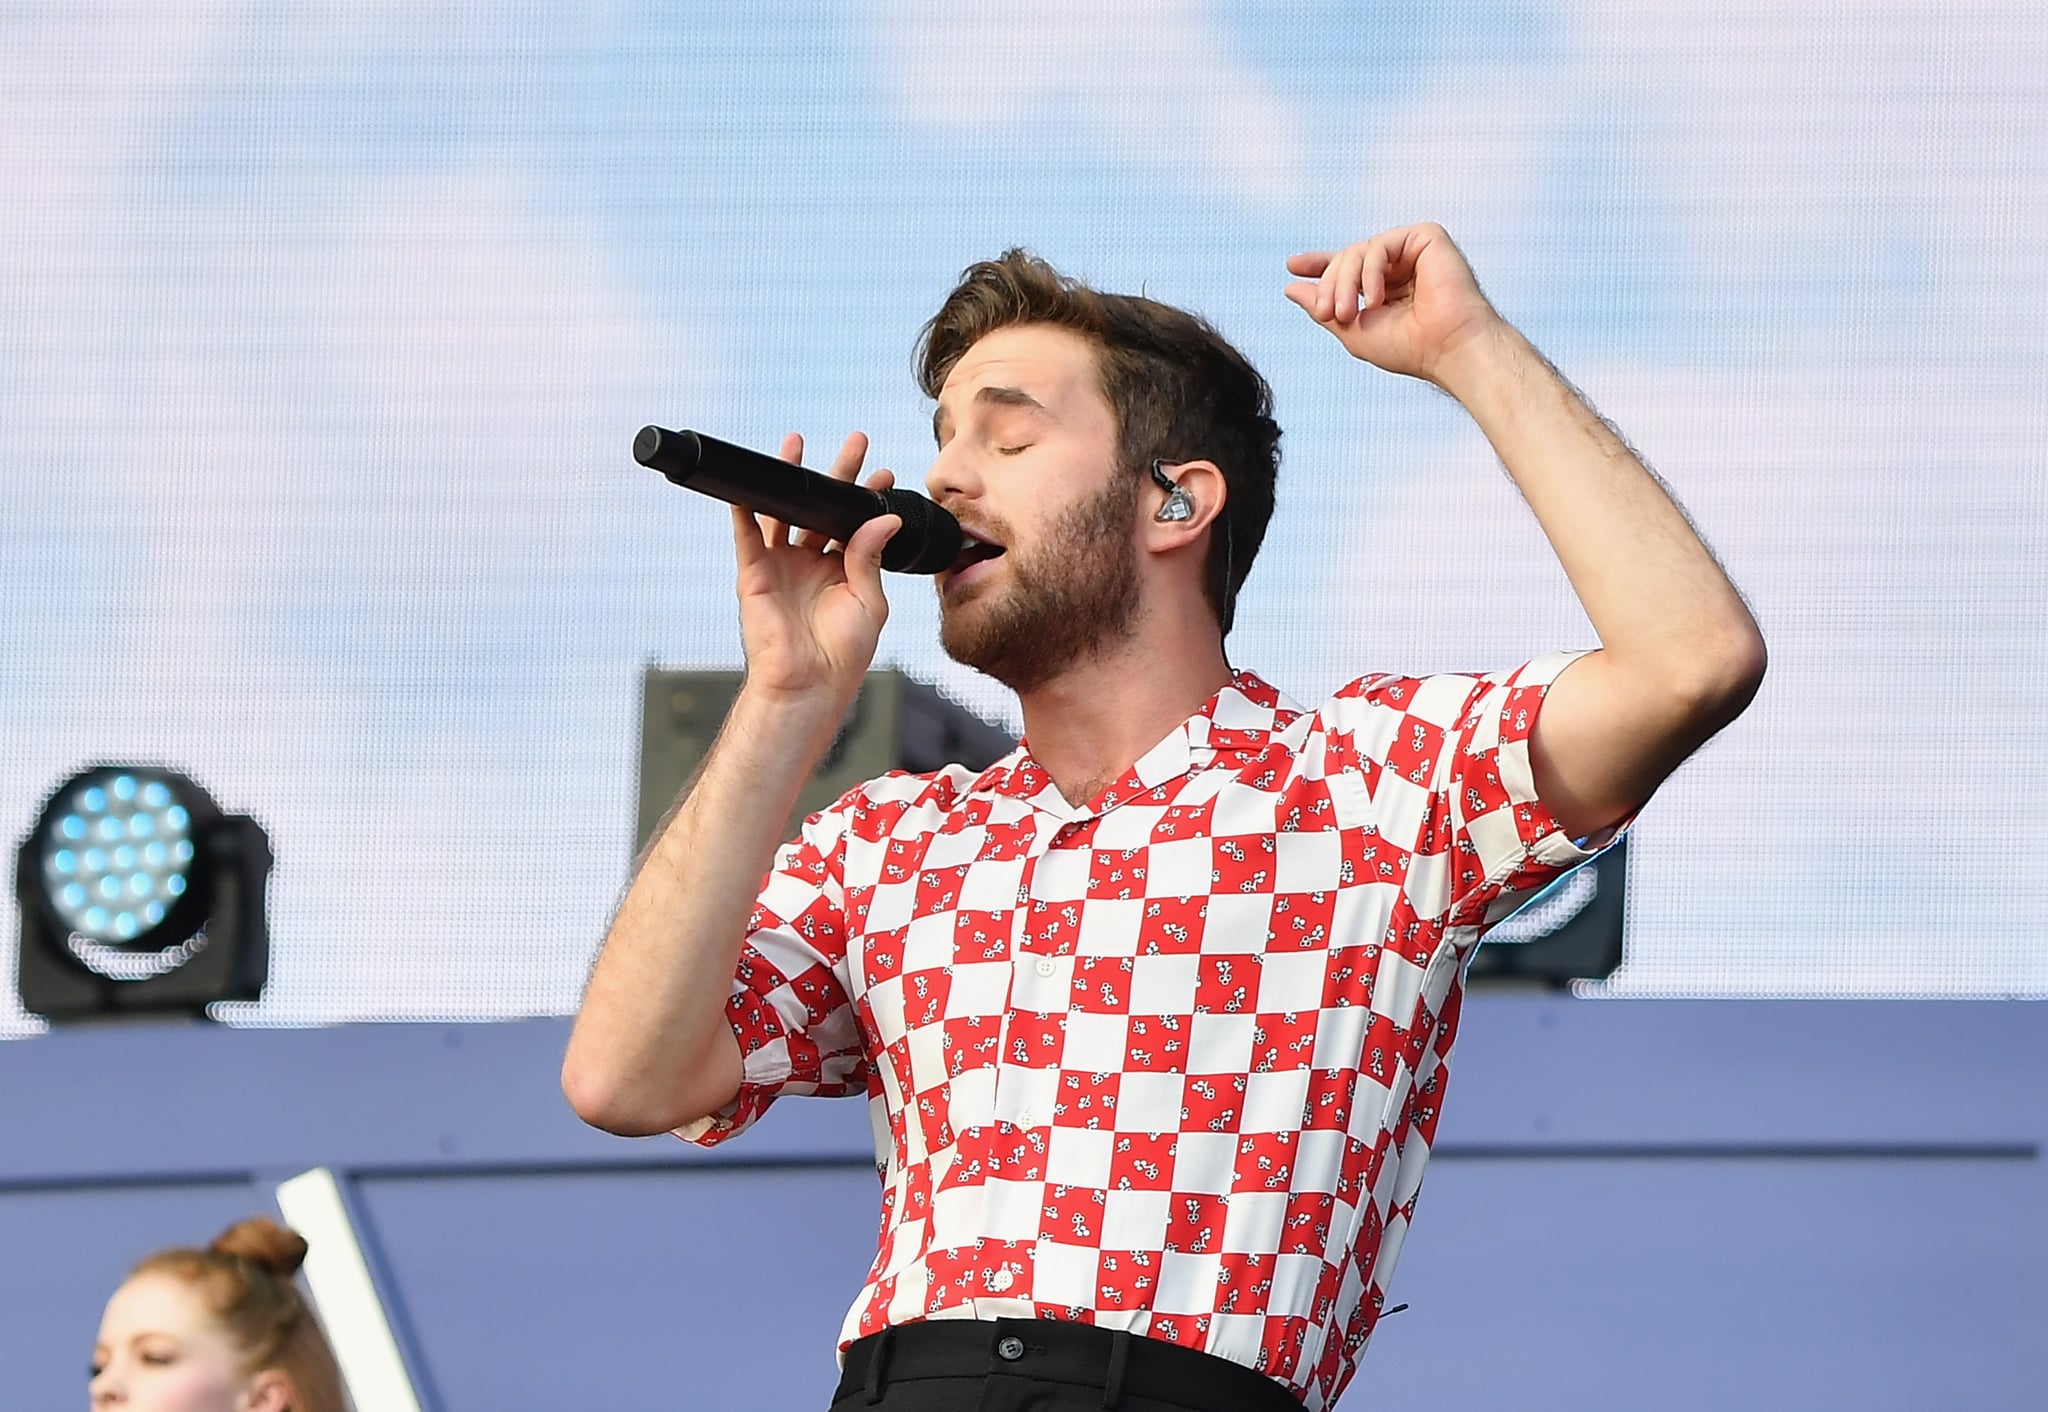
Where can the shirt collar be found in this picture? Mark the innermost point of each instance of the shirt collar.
(1240, 720)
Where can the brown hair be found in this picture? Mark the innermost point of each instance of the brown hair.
(1180, 392)
(245, 1280)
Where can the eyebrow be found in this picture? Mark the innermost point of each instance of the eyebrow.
(996, 397)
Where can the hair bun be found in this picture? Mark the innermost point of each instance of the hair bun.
(265, 1242)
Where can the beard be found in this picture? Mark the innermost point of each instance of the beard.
(1069, 597)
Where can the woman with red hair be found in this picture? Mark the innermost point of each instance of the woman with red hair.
(222, 1329)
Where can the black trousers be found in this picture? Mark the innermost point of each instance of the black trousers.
(1043, 1365)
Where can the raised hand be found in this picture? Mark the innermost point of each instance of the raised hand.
(811, 613)
(1404, 300)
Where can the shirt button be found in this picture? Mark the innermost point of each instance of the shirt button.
(1011, 1348)
(1046, 966)
(1027, 1119)
(1000, 1281)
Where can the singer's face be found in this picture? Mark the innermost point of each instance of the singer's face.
(1027, 461)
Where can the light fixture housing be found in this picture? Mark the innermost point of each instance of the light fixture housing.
(139, 895)
(1571, 931)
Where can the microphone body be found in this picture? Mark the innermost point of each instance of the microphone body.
(928, 543)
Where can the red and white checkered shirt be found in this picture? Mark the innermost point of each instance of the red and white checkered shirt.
(1170, 1061)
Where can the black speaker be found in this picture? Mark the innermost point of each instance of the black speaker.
(895, 723)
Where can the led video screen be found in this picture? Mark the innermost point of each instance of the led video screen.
(325, 331)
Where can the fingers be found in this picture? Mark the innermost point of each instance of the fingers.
(755, 536)
(749, 543)
(1332, 298)
(864, 562)
(1303, 293)
(775, 532)
(845, 466)
(1356, 279)
(1318, 290)
(1330, 282)
(1402, 251)
(1356, 283)
(1342, 280)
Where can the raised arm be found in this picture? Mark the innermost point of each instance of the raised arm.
(652, 1048)
(1680, 654)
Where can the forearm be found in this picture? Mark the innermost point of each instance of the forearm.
(1658, 600)
(652, 1047)
(1680, 655)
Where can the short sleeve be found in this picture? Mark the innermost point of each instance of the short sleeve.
(790, 1008)
(1446, 765)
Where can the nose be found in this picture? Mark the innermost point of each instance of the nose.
(952, 476)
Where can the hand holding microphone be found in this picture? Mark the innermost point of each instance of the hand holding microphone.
(928, 543)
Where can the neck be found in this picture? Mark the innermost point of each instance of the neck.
(1088, 725)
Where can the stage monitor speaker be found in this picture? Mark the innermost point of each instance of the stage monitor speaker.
(1570, 931)
(895, 723)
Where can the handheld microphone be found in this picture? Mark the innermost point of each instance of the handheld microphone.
(928, 543)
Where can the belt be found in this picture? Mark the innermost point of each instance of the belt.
(1056, 1350)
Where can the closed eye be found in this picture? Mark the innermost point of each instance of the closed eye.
(1012, 450)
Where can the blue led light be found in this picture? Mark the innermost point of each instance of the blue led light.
(117, 855)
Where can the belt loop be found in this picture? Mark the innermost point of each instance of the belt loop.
(1119, 1351)
(876, 1362)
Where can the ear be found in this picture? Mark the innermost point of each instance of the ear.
(270, 1390)
(1202, 485)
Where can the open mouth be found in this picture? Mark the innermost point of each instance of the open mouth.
(972, 551)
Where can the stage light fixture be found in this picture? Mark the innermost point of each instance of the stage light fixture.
(1570, 931)
(138, 894)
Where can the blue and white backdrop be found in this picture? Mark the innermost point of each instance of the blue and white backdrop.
(324, 330)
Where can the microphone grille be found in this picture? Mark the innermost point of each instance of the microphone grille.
(930, 539)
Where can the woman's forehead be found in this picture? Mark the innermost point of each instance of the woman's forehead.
(155, 1302)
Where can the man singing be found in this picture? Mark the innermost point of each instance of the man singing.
(1155, 1011)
